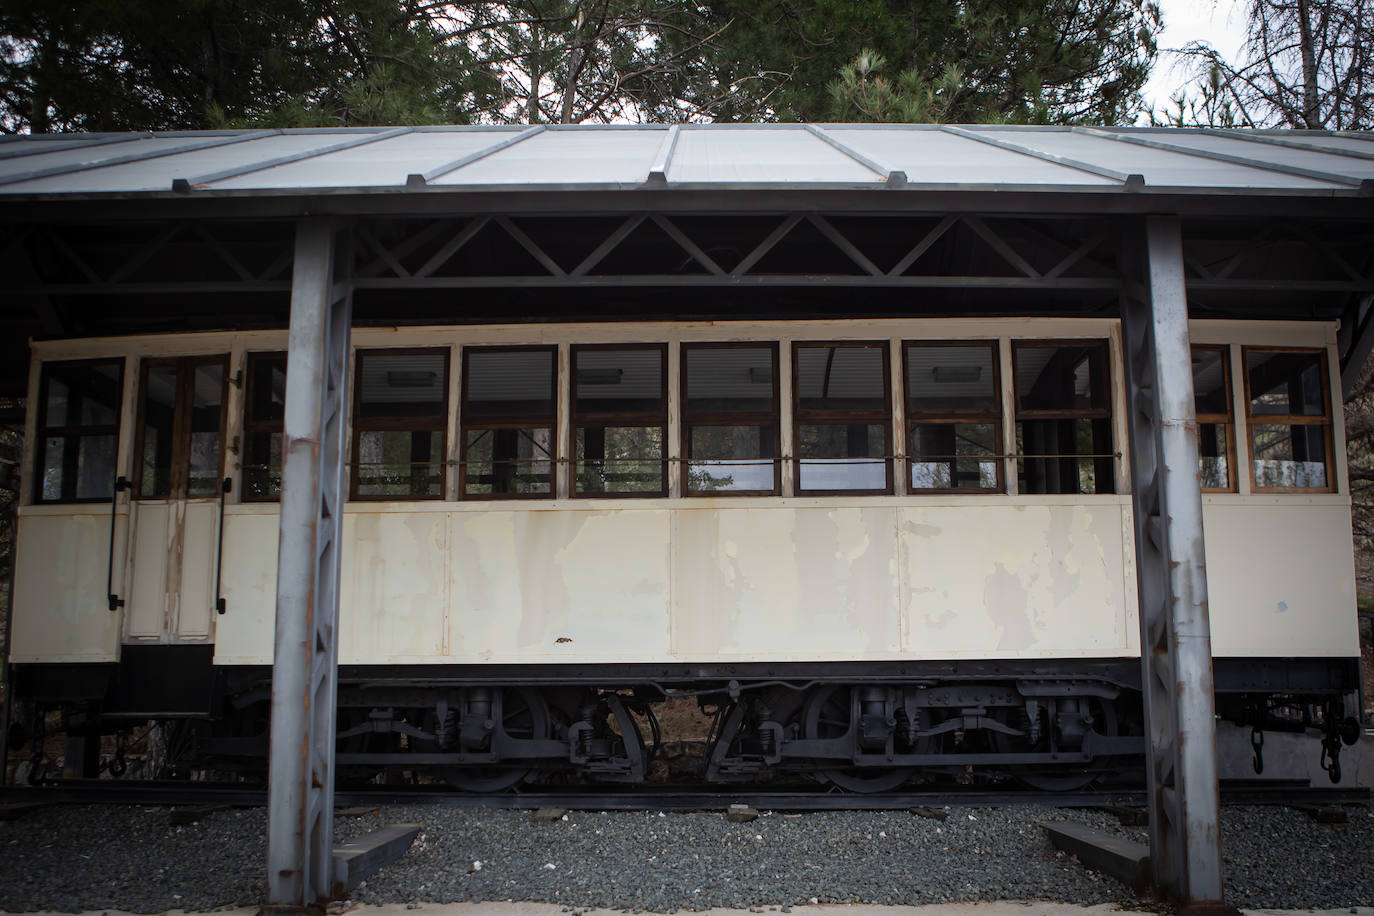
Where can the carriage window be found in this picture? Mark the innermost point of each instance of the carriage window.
(399, 413)
(180, 428)
(1063, 417)
(730, 418)
(954, 416)
(78, 429)
(1212, 404)
(620, 419)
(264, 413)
(1289, 415)
(844, 418)
(508, 422)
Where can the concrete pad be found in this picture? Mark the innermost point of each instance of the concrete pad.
(356, 860)
(1125, 860)
(993, 908)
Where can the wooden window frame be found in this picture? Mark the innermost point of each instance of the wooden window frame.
(181, 417)
(802, 417)
(73, 432)
(253, 426)
(1270, 419)
(991, 415)
(584, 420)
(771, 419)
(464, 425)
(1227, 419)
(428, 423)
(1092, 413)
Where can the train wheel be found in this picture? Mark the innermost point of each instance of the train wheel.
(827, 715)
(524, 715)
(1068, 778)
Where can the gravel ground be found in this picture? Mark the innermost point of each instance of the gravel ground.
(99, 858)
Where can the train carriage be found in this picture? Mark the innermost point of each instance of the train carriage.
(841, 451)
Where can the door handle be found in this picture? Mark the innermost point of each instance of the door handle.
(221, 605)
(115, 602)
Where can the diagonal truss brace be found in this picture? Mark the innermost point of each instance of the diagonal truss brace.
(1175, 635)
(386, 259)
(305, 663)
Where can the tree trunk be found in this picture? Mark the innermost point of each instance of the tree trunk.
(1311, 111)
(574, 67)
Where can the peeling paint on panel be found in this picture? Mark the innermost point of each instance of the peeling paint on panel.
(1008, 603)
(1038, 581)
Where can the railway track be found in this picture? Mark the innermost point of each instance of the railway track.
(662, 798)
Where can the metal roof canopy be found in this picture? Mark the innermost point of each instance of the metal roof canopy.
(348, 161)
(121, 234)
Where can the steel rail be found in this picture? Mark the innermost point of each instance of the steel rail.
(662, 797)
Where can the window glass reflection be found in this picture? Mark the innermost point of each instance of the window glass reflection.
(843, 417)
(1063, 418)
(620, 416)
(508, 417)
(266, 412)
(1289, 419)
(1285, 384)
(78, 430)
(398, 424)
(951, 378)
(953, 456)
(159, 416)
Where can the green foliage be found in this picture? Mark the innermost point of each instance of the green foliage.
(105, 65)
(1051, 61)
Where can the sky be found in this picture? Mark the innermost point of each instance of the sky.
(1221, 23)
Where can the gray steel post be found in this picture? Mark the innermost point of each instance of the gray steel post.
(1175, 635)
(301, 769)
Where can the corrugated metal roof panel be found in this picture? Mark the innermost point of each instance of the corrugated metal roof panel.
(563, 156)
(1161, 168)
(1275, 153)
(762, 155)
(935, 157)
(157, 174)
(78, 156)
(381, 164)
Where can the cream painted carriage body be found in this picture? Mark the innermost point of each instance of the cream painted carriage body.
(688, 591)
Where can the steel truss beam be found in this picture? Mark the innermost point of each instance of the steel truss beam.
(956, 251)
(1175, 635)
(301, 768)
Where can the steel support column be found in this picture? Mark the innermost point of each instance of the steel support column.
(301, 770)
(1175, 636)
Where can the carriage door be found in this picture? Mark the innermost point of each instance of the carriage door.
(178, 470)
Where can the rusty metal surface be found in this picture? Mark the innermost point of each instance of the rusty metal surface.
(1181, 761)
(301, 767)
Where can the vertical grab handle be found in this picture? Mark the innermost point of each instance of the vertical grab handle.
(115, 602)
(221, 605)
